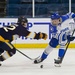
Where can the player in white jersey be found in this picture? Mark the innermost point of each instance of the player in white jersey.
(61, 35)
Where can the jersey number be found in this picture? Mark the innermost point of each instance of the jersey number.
(9, 28)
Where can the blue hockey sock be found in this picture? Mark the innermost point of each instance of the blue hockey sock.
(61, 53)
(44, 56)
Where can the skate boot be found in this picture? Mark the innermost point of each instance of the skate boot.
(0, 63)
(39, 60)
(0, 60)
(58, 62)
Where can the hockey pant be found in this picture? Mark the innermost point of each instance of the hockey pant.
(6, 50)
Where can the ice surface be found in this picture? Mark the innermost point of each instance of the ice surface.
(20, 65)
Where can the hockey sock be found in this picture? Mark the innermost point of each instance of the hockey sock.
(1, 58)
(44, 56)
(61, 53)
(5, 55)
(46, 52)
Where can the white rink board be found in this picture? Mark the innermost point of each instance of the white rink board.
(34, 25)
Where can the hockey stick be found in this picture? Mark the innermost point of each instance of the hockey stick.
(58, 62)
(26, 55)
(66, 47)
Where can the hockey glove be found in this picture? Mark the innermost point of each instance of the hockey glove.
(43, 36)
(73, 15)
(40, 36)
(70, 38)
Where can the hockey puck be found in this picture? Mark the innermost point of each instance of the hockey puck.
(41, 66)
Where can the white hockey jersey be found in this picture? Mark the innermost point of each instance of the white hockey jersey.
(65, 28)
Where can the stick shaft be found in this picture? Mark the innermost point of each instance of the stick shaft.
(67, 47)
(24, 54)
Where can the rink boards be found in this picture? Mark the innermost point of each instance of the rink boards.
(34, 25)
(72, 45)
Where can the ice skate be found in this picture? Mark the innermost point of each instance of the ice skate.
(0, 63)
(57, 62)
(39, 60)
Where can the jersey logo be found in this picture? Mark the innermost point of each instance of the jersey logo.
(9, 28)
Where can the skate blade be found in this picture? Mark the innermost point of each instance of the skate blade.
(57, 65)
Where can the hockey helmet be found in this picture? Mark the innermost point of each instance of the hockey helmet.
(22, 19)
(55, 16)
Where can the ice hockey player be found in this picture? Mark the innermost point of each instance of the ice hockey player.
(8, 33)
(60, 37)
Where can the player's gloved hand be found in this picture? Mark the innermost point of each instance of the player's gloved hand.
(40, 35)
(43, 35)
(70, 38)
(73, 15)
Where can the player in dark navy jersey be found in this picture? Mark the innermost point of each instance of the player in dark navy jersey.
(7, 36)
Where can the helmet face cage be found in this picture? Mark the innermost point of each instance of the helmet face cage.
(22, 19)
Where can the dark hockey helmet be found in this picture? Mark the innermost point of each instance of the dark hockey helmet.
(22, 19)
(55, 16)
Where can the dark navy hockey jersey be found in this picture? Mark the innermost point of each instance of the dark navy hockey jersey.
(8, 31)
